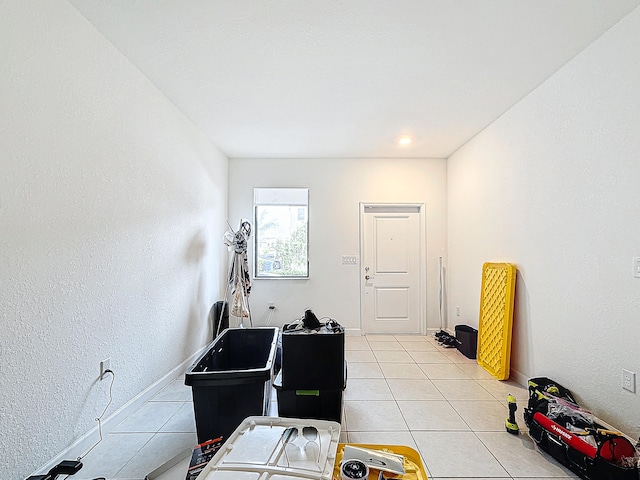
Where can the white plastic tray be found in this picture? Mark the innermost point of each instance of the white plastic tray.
(256, 450)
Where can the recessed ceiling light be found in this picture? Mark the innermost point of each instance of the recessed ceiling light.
(405, 140)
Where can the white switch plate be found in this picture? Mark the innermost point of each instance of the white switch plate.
(349, 260)
(636, 267)
(629, 380)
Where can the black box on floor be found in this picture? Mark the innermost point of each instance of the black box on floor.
(467, 340)
(313, 359)
(232, 380)
(319, 404)
(201, 456)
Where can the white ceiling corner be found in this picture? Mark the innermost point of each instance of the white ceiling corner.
(345, 78)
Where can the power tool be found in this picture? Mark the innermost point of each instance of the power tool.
(510, 423)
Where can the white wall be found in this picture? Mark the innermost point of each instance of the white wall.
(112, 209)
(553, 186)
(336, 187)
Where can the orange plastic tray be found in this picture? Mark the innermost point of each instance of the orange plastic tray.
(413, 467)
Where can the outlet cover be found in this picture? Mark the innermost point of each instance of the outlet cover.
(628, 381)
(104, 366)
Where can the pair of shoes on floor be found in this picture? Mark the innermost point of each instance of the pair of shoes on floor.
(446, 340)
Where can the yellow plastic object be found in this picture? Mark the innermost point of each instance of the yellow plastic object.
(413, 467)
(496, 318)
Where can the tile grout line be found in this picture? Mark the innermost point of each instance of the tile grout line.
(410, 431)
(376, 362)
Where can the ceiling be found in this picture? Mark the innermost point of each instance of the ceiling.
(346, 78)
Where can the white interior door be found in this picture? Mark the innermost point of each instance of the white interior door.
(392, 253)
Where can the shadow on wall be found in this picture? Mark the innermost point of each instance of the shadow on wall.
(194, 255)
(196, 248)
(521, 341)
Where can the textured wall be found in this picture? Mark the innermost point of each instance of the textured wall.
(336, 186)
(552, 186)
(112, 209)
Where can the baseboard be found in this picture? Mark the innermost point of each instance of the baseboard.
(358, 331)
(81, 446)
(431, 331)
(519, 377)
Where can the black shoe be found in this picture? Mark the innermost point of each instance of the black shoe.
(450, 342)
(439, 335)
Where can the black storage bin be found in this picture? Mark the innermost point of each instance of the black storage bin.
(320, 404)
(313, 359)
(232, 380)
(219, 317)
(467, 340)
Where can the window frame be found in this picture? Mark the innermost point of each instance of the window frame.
(292, 198)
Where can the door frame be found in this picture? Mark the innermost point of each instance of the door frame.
(422, 261)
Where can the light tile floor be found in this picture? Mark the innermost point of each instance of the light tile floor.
(401, 390)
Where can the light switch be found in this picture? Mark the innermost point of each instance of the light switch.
(636, 267)
(349, 260)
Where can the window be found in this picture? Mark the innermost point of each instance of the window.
(281, 233)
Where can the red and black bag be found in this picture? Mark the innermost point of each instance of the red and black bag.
(576, 439)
